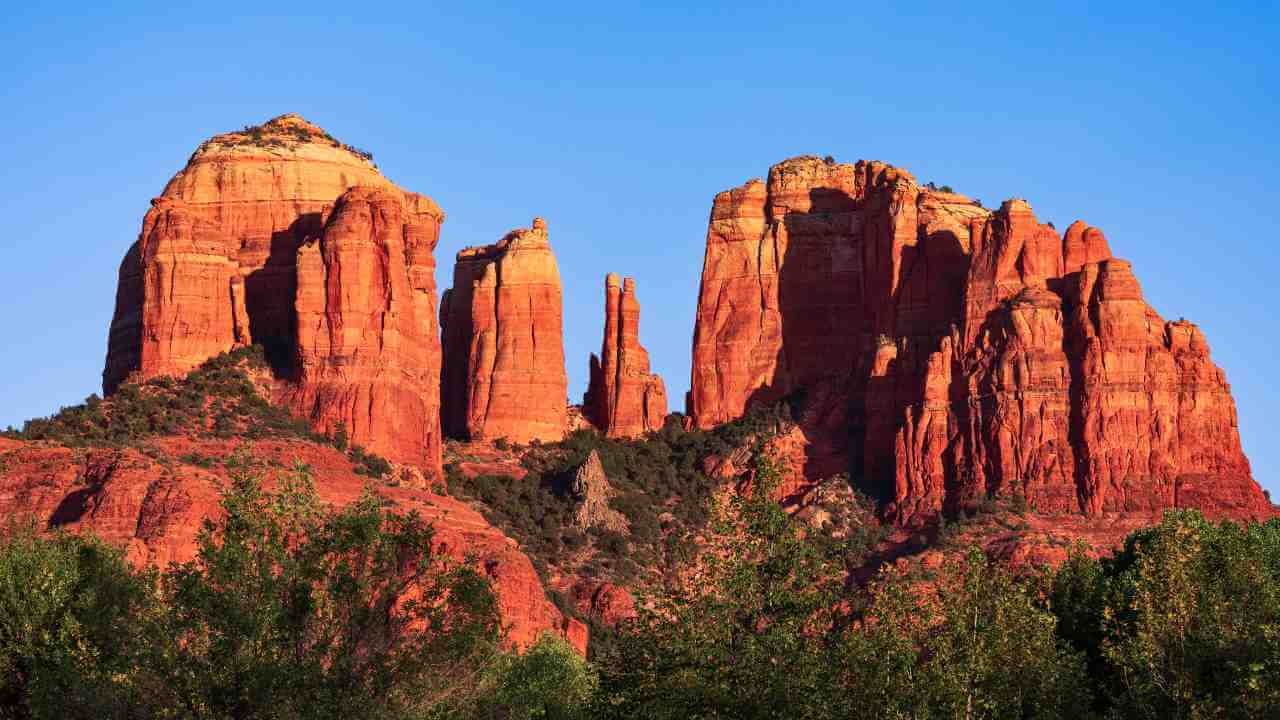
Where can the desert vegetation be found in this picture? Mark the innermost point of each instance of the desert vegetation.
(660, 483)
(291, 609)
(218, 399)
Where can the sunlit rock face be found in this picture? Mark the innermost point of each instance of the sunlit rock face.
(244, 247)
(942, 353)
(504, 373)
(623, 398)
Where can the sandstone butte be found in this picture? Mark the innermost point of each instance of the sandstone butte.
(503, 373)
(946, 352)
(282, 236)
(153, 507)
(623, 398)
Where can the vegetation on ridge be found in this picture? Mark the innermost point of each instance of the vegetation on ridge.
(660, 487)
(295, 610)
(218, 400)
(275, 133)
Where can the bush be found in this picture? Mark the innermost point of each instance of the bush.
(289, 610)
(308, 612)
(761, 626)
(369, 464)
(549, 680)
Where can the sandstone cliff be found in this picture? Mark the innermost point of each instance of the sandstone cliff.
(946, 353)
(623, 398)
(240, 232)
(368, 353)
(503, 374)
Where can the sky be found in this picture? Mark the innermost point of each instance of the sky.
(618, 123)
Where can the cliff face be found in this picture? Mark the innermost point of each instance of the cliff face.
(947, 353)
(503, 372)
(623, 398)
(239, 237)
(368, 353)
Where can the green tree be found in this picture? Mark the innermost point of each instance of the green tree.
(740, 632)
(1183, 622)
(74, 622)
(290, 610)
(548, 681)
(974, 645)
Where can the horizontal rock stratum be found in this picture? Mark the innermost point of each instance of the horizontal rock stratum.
(947, 352)
(282, 236)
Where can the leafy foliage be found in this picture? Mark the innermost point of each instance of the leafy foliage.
(737, 633)
(548, 681)
(217, 399)
(289, 610)
(309, 613)
(1184, 622)
(761, 626)
(73, 621)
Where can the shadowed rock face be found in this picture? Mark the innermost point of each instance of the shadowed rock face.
(623, 398)
(503, 374)
(241, 233)
(592, 491)
(948, 353)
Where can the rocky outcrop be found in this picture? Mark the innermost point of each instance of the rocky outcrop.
(948, 353)
(504, 374)
(368, 353)
(623, 398)
(152, 505)
(241, 248)
(591, 491)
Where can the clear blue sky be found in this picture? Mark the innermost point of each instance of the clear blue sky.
(1156, 123)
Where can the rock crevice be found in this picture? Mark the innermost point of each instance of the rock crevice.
(258, 241)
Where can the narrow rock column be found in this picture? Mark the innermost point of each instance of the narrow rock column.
(503, 373)
(623, 398)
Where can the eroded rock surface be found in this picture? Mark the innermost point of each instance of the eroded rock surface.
(153, 508)
(240, 232)
(946, 353)
(623, 398)
(367, 342)
(592, 491)
(502, 321)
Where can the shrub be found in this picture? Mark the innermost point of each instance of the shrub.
(367, 463)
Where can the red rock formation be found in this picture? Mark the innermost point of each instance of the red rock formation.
(368, 354)
(503, 372)
(955, 353)
(623, 398)
(154, 508)
(229, 246)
